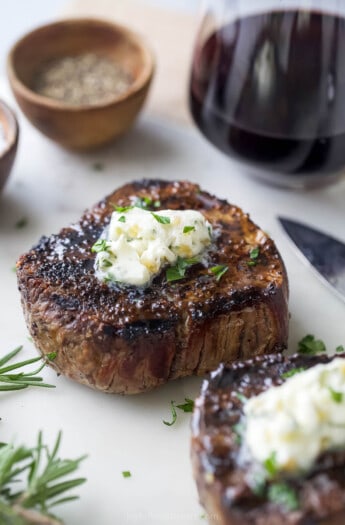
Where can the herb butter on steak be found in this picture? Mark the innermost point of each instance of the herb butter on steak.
(127, 339)
(230, 482)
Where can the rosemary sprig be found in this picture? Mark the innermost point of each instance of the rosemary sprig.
(43, 477)
(21, 380)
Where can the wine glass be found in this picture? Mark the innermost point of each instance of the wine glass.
(268, 87)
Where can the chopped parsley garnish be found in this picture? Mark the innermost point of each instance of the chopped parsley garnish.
(105, 263)
(254, 255)
(336, 396)
(161, 219)
(186, 407)
(122, 209)
(122, 218)
(282, 494)
(146, 202)
(177, 272)
(219, 271)
(126, 474)
(100, 246)
(293, 372)
(173, 415)
(21, 223)
(311, 346)
(241, 397)
(270, 465)
(188, 229)
(143, 202)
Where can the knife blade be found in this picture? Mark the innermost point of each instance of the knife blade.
(325, 254)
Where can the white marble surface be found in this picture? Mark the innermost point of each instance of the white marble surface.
(51, 187)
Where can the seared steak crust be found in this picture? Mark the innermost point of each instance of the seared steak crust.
(127, 339)
(222, 479)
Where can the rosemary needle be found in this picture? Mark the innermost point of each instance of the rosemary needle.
(12, 377)
(43, 483)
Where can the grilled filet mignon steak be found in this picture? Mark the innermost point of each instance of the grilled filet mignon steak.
(222, 478)
(127, 339)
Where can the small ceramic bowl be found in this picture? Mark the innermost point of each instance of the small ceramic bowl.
(9, 132)
(82, 126)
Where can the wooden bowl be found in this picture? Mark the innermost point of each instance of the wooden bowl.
(82, 126)
(10, 131)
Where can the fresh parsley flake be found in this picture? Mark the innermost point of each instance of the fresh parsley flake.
(105, 263)
(21, 223)
(241, 397)
(188, 229)
(174, 273)
(311, 346)
(293, 372)
(173, 415)
(143, 202)
(191, 261)
(282, 494)
(219, 271)
(126, 474)
(161, 219)
(122, 218)
(253, 256)
(340, 349)
(146, 202)
(100, 246)
(177, 272)
(270, 465)
(122, 209)
(254, 253)
(336, 396)
(186, 407)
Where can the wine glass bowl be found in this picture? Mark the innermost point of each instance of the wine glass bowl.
(267, 88)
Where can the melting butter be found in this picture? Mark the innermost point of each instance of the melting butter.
(138, 243)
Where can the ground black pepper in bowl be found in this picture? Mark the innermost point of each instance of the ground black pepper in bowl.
(85, 79)
(82, 82)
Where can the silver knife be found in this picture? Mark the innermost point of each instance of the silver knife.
(325, 254)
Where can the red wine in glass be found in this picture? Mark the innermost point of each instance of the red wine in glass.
(269, 90)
